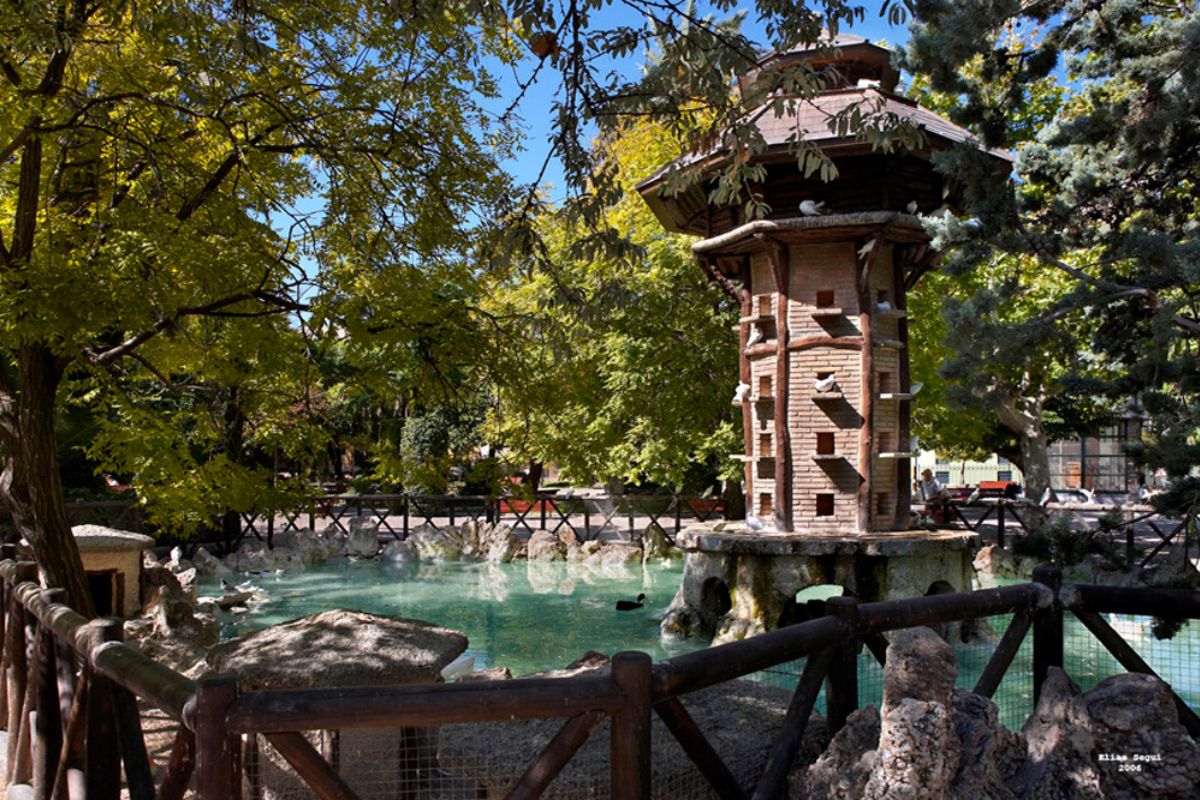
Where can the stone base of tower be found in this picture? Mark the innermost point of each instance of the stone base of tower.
(737, 584)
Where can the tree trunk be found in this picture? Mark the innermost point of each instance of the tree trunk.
(1035, 457)
(1026, 423)
(535, 475)
(33, 491)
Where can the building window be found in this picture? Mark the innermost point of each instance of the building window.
(825, 298)
(824, 505)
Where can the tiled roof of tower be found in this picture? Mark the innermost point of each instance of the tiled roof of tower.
(812, 117)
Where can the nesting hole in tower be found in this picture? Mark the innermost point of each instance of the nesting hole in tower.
(824, 505)
(765, 507)
(825, 298)
(765, 447)
(825, 444)
(883, 503)
(764, 385)
(881, 296)
(885, 441)
(762, 305)
(766, 470)
(885, 382)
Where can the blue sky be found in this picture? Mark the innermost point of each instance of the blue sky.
(536, 111)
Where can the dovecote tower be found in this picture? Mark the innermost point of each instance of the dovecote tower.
(824, 381)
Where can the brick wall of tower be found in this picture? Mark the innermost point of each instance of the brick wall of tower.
(821, 276)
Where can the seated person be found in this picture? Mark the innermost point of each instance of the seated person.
(934, 495)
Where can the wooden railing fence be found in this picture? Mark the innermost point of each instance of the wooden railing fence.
(71, 692)
(69, 695)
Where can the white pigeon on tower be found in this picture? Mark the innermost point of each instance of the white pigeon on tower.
(754, 523)
(883, 305)
(826, 384)
(756, 336)
(739, 394)
(812, 208)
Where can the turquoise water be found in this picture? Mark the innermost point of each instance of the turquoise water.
(527, 616)
(534, 616)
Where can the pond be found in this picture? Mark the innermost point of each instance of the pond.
(527, 616)
(534, 616)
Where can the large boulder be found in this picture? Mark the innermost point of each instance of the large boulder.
(920, 666)
(363, 541)
(990, 755)
(208, 564)
(842, 771)
(399, 551)
(469, 539)
(1059, 743)
(1135, 715)
(545, 546)
(339, 648)
(656, 545)
(432, 544)
(499, 544)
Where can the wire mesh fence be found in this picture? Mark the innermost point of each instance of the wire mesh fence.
(483, 760)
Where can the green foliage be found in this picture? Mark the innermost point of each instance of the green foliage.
(1103, 209)
(616, 367)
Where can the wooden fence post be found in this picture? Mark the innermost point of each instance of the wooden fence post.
(630, 753)
(18, 676)
(217, 771)
(1000, 522)
(1047, 629)
(103, 754)
(47, 734)
(841, 683)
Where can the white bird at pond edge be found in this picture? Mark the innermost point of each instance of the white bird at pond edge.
(754, 523)
(176, 554)
(756, 336)
(739, 394)
(1046, 495)
(812, 208)
(825, 384)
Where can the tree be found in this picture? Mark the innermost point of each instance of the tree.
(157, 160)
(1029, 338)
(153, 157)
(617, 367)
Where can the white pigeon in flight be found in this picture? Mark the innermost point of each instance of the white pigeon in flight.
(865, 250)
(915, 388)
(739, 394)
(754, 523)
(826, 384)
(812, 208)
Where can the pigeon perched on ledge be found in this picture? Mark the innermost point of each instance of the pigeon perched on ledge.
(756, 336)
(912, 207)
(812, 208)
(754, 523)
(883, 305)
(827, 384)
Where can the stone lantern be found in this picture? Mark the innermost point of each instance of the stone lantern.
(822, 279)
